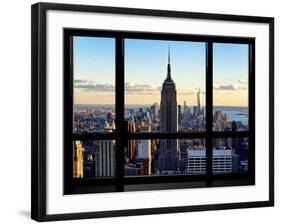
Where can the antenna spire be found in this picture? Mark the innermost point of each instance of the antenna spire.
(168, 54)
(169, 78)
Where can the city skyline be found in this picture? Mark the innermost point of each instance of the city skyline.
(145, 62)
(97, 158)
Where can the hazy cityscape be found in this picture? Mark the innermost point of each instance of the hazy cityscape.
(96, 158)
(142, 156)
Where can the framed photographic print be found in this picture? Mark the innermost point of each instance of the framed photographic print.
(140, 111)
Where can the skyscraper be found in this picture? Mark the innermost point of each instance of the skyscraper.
(78, 160)
(105, 158)
(154, 112)
(168, 152)
(179, 115)
(131, 143)
(184, 106)
(199, 100)
(144, 155)
(143, 151)
(222, 160)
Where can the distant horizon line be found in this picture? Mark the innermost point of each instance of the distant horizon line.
(87, 104)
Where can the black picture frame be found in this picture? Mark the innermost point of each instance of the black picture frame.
(39, 107)
(120, 183)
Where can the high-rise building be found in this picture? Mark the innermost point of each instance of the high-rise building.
(143, 150)
(184, 106)
(179, 114)
(222, 160)
(154, 112)
(105, 158)
(235, 162)
(199, 100)
(131, 128)
(196, 161)
(196, 111)
(234, 129)
(168, 152)
(88, 166)
(144, 155)
(78, 160)
(218, 116)
(88, 159)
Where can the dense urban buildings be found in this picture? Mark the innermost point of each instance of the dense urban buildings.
(96, 158)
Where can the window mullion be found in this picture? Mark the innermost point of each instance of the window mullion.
(209, 111)
(68, 112)
(251, 97)
(119, 117)
(231, 134)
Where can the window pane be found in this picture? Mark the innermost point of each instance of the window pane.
(165, 157)
(230, 155)
(93, 84)
(165, 85)
(230, 90)
(94, 159)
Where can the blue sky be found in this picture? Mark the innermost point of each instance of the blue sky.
(146, 68)
(230, 74)
(230, 62)
(94, 59)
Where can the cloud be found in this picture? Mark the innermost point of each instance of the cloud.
(130, 88)
(82, 81)
(141, 89)
(241, 81)
(229, 87)
(88, 85)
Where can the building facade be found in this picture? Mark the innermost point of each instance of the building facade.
(105, 158)
(222, 160)
(168, 151)
(78, 160)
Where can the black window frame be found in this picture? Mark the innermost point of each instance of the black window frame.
(119, 183)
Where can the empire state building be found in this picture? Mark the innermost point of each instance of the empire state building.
(168, 152)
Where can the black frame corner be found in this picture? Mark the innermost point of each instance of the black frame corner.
(38, 110)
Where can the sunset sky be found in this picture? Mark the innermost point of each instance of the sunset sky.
(146, 69)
